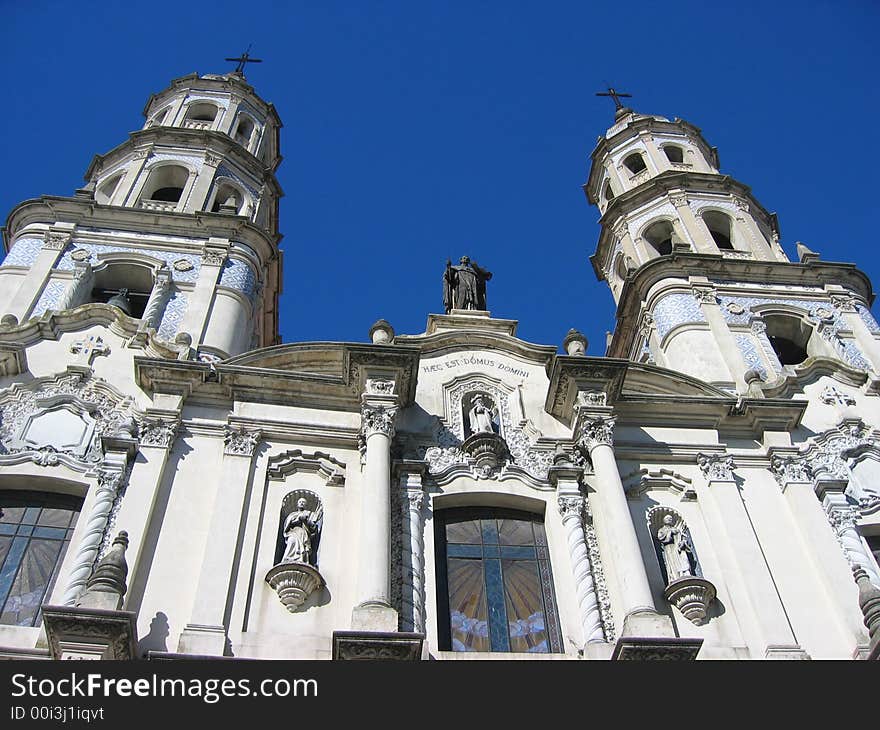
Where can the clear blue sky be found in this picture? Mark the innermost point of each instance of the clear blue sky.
(418, 131)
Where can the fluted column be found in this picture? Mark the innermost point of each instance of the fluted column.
(158, 297)
(79, 288)
(373, 611)
(571, 507)
(597, 438)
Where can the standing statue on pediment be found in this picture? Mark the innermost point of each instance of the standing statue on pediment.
(481, 415)
(301, 529)
(676, 549)
(464, 286)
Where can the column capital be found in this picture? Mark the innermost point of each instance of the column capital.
(595, 430)
(377, 418)
(716, 467)
(157, 432)
(572, 506)
(238, 441)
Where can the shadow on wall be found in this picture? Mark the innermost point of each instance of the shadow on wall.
(155, 639)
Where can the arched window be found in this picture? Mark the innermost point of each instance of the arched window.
(105, 190)
(720, 228)
(674, 154)
(607, 192)
(125, 286)
(228, 199)
(200, 115)
(494, 585)
(634, 163)
(659, 235)
(164, 187)
(789, 336)
(35, 531)
(158, 118)
(243, 130)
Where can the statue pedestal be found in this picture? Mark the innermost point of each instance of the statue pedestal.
(692, 597)
(388, 645)
(633, 648)
(294, 583)
(90, 633)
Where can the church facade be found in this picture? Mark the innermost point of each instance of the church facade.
(174, 482)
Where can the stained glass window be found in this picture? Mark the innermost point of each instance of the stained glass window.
(35, 530)
(495, 588)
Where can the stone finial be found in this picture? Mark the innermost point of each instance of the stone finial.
(381, 333)
(805, 255)
(869, 602)
(575, 343)
(106, 586)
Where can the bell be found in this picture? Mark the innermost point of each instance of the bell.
(122, 301)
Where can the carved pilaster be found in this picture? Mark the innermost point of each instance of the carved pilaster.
(56, 240)
(80, 285)
(158, 297)
(716, 467)
(158, 433)
(789, 469)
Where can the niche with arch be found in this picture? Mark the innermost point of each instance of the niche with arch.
(158, 119)
(244, 129)
(674, 154)
(607, 192)
(229, 198)
(791, 338)
(164, 187)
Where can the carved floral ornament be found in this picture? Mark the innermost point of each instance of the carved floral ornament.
(238, 441)
(597, 432)
(716, 467)
(62, 419)
(377, 419)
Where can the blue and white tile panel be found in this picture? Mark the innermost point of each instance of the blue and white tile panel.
(24, 252)
(239, 275)
(169, 257)
(749, 350)
(50, 297)
(675, 309)
(175, 308)
(864, 314)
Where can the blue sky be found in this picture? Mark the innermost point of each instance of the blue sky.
(419, 131)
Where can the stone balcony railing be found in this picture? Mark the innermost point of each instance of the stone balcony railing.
(158, 205)
(197, 124)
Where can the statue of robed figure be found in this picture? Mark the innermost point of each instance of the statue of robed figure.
(301, 531)
(464, 286)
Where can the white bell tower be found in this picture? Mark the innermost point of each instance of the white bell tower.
(175, 233)
(701, 282)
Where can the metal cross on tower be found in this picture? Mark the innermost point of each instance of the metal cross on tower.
(243, 59)
(614, 94)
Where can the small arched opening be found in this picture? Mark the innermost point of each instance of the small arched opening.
(659, 236)
(104, 192)
(607, 192)
(674, 154)
(164, 187)
(228, 199)
(243, 130)
(789, 336)
(635, 163)
(720, 228)
(126, 286)
(200, 115)
(158, 119)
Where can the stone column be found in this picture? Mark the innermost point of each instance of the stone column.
(640, 616)
(843, 518)
(413, 558)
(206, 631)
(158, 297)
(819, 542)
(752, 589)
(79, 288)
(698, 234)
(571, 507)
(373, 611)
(111, 479)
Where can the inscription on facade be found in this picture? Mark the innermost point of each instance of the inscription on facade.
(470, 361)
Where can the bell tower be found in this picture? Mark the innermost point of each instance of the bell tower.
(694, 263)
(175, 232)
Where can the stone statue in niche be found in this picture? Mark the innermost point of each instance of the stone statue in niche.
(482, 415)
(301, 531)
(295, 576)
(677, 552)
(686, 588)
